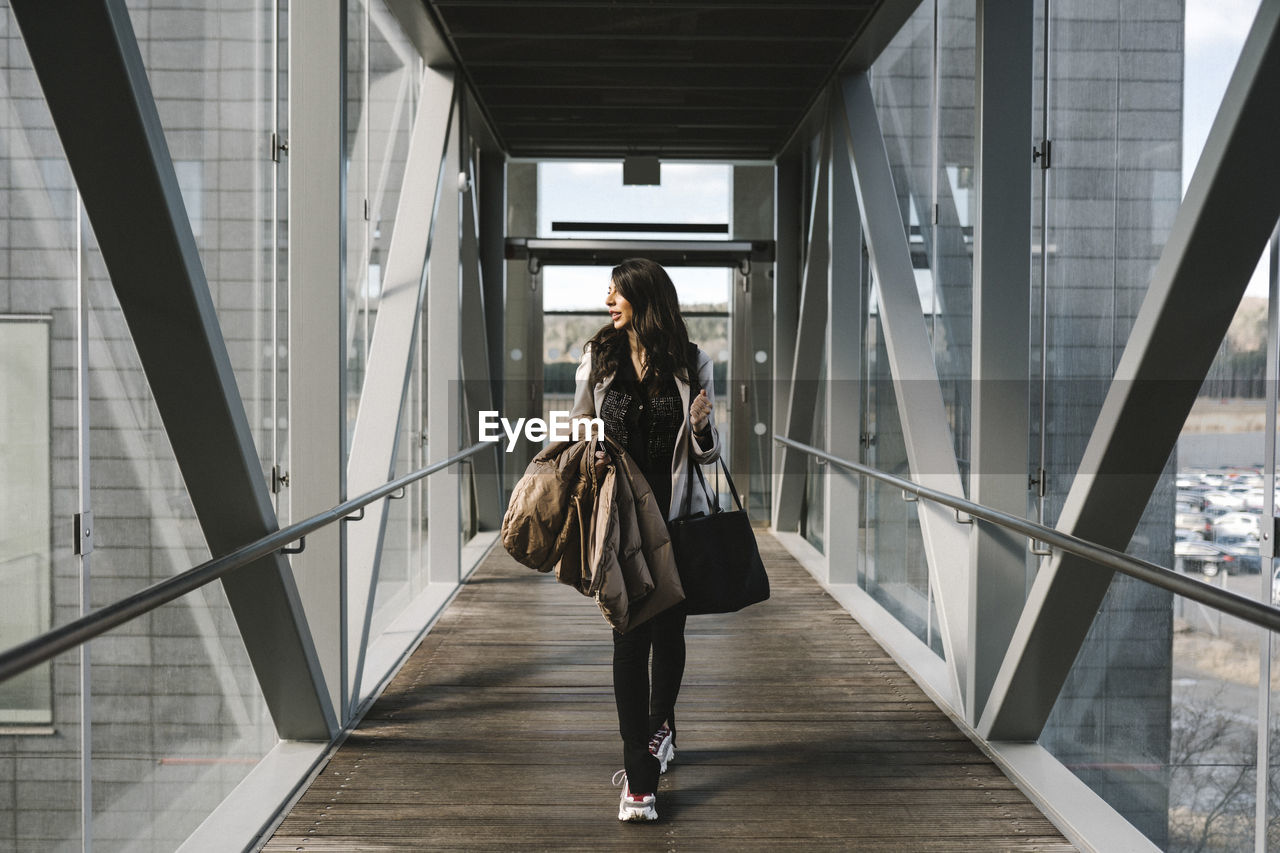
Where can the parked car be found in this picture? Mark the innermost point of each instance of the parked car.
(1221, 502)
(1236, 524)
(1194, 522)
(1189, 501)
(1246, 551)
(1207, 558)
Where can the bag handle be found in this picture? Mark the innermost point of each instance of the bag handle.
(713, 499)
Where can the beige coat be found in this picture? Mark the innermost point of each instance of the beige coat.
(605, 538)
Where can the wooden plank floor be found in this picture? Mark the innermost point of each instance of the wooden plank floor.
(797, 732)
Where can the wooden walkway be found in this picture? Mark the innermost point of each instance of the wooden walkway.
(797, 732)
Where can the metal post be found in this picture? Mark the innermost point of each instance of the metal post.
(844, 367)
(1267, 547)
(84, 544)
(1001, 340)
(317, 319)
(444, 397)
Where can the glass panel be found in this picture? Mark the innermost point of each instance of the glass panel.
(577, 192)
(393, 93)
(394, 588)
(382, 91)
(40, 757)
(210, 66)
(952, 324)
(26, 540)
(929, 139)
(178, 717)
(902, 88)
(893, 568)
(1159, 713)
(813, 518)
(361, 297)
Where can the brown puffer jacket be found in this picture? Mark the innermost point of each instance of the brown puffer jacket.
(605, 538)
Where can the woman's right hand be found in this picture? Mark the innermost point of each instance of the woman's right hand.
(601, 462)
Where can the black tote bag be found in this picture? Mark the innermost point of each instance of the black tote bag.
(716, 554)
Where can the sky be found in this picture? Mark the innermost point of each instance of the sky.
(1215, 32)
(593, 192)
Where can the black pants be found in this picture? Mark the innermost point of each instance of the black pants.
(643, 706)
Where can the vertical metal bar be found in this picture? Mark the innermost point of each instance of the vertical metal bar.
(317, 243)
(86, 506)
(935, 109)
(1268, 545)
(366, 226)
(443, 387)
(276, 136)
(844, 333)
(999, 441)
(1041, 469)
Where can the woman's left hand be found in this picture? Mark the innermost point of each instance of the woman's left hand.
(700, 411)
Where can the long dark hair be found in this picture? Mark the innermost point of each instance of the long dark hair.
(656, 319)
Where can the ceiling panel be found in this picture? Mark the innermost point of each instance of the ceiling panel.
(728, 80)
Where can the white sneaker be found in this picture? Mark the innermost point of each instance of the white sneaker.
(634, 806)
(662, 747)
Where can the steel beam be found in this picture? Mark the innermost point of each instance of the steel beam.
(798, 408)
(474, 365)
(444, 390)
(930, 452)
(376, 434)
(786, 292)
(94, 79)
(1229, 210)
(317, 375)
(601, 253)
(1001, 338)
(844, 368)
(747, 395)
(492, 204)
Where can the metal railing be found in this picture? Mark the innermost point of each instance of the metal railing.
(1231, 603)
(52, 643)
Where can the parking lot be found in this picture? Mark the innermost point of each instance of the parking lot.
(1218, 523)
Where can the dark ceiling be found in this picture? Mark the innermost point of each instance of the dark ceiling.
(729, 79)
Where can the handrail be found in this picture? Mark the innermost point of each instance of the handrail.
(39, 649)
(1232, 603)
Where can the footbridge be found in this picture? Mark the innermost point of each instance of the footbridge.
(987, 286)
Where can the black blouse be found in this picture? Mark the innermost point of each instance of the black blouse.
(645, 417)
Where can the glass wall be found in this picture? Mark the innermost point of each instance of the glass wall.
(922, 85)
(1160, 712)
(41, 760)
(178, 719)
(892, 566)
(382, 96)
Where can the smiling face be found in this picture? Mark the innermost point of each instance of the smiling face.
(620, 311)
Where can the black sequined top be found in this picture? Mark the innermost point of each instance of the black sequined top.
(645, 417)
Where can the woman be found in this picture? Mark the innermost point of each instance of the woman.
(639, 374)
